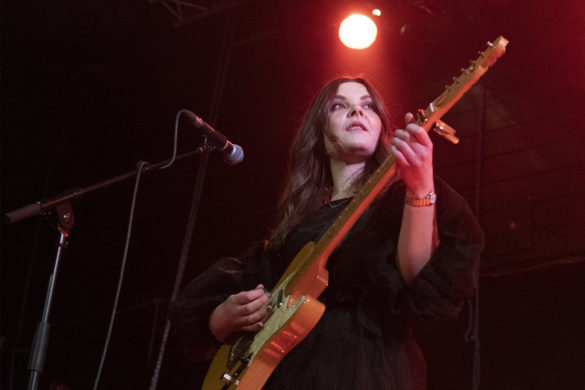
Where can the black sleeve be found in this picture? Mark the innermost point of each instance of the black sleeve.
(450, 277)
(189, 313)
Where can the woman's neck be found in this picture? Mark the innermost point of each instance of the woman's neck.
(344, 176)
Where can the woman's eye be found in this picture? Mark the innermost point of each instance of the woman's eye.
(337, 106)
(369, 106)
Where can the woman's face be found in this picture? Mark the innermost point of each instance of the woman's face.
(353, 127)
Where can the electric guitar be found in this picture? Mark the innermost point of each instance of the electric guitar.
(247, 364)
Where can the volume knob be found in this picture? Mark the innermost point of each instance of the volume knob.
(228, 379)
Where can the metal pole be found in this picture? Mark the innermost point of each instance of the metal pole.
(39, 348)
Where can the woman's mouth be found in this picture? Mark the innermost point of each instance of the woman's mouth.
(355, 126)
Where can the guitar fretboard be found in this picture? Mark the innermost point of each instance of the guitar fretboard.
(427, 119)
(348, 217)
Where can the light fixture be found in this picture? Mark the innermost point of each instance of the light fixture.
(358, 31)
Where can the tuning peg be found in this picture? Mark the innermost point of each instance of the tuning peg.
(445, 131)
(490, 44)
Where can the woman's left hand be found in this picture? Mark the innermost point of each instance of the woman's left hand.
(413, 150)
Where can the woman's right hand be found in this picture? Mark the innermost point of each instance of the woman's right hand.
(245, 311)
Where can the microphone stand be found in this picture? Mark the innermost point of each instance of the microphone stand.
(65, 221)
(39, 348)
(43, 207)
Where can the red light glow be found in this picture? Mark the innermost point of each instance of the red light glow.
(358, 31)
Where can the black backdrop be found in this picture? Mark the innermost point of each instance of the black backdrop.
(90, 89)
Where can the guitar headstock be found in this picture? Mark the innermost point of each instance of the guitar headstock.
(494, 51)
(472, 73)
(463, 82)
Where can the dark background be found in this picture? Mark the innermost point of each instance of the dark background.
(90, 88)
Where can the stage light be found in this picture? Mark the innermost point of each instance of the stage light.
(376, 12)
(358, 31)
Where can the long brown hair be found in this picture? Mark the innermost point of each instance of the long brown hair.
(310, 184)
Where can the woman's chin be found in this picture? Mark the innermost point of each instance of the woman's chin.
(356, 156)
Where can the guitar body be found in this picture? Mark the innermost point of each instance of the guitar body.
(248, 363)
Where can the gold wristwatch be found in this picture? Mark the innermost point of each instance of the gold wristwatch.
(428, 200)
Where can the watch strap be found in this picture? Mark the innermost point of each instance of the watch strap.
(429, 200)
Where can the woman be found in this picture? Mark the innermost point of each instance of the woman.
(412, 256)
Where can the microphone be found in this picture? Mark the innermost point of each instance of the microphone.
(232, 154)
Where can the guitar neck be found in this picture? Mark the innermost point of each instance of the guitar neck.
(351, 213)
(348, 217)
(427, 118)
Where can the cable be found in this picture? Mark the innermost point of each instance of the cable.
(217, 95)
(182, 261)
(472, 334)
(175, 140)
(141, 165)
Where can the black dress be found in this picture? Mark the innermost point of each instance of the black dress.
(364, 339)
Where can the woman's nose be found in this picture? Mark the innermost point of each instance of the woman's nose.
(355, 110)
